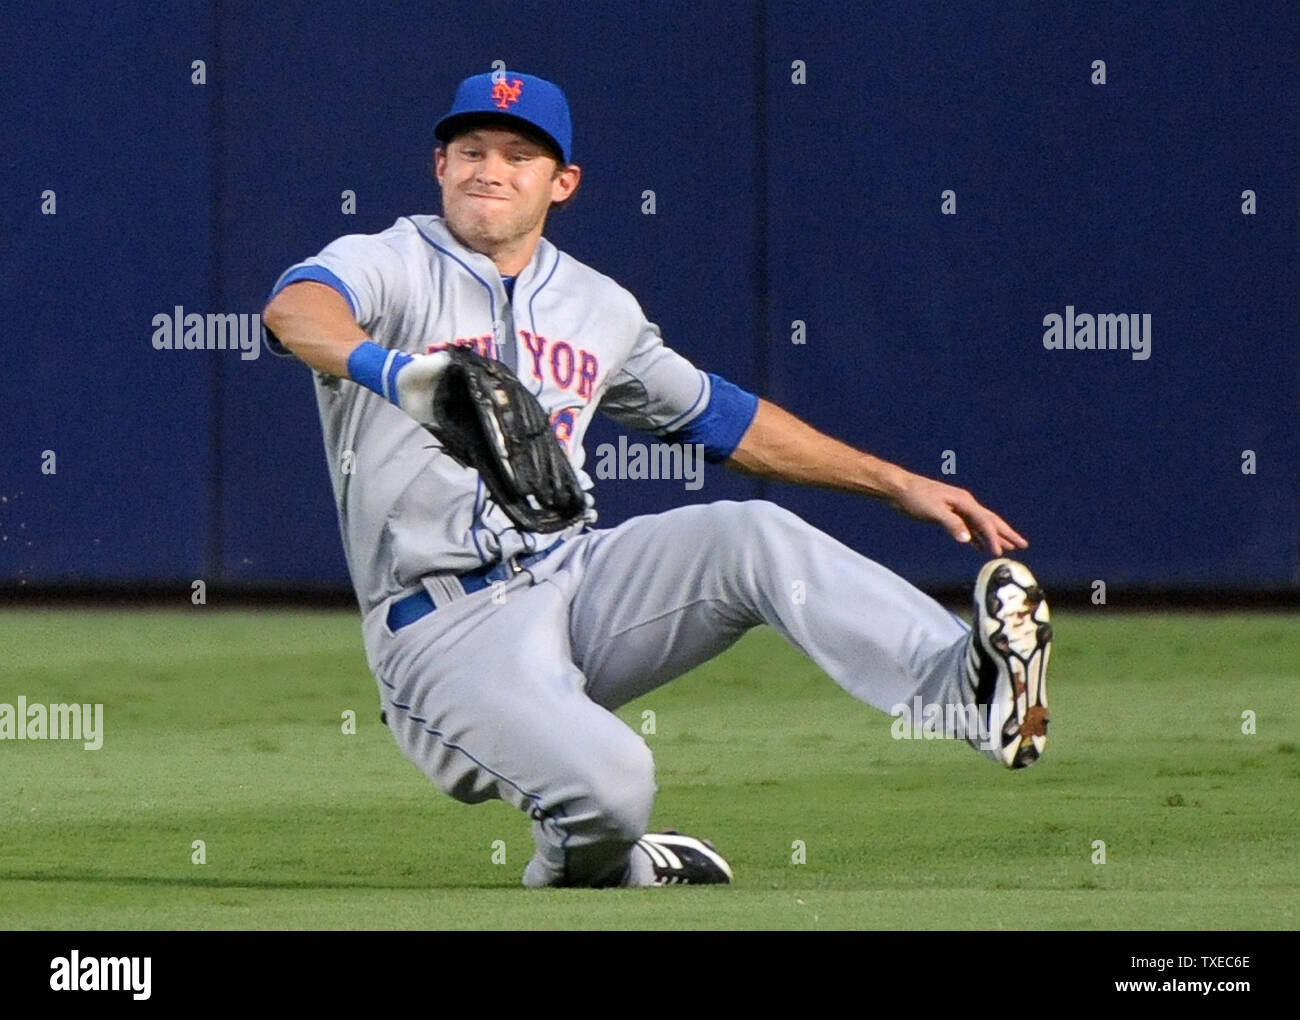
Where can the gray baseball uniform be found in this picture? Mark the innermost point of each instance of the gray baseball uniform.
(507, 690)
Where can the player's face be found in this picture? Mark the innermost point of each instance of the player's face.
(497, 186)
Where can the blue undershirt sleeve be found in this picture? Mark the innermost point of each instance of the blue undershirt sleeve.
(723, 422)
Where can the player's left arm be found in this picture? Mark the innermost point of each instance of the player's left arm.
(781, 447)
(658, 390)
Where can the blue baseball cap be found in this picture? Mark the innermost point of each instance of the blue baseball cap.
(513, 99)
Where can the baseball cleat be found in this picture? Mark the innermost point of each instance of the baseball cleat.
(1006, 663)
(684, 860)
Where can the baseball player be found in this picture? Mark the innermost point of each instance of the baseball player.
(501, 653)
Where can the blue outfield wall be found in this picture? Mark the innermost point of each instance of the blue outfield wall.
(98, 111)
(1116, 198)
(799, 155)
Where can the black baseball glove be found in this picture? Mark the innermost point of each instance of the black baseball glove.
(486, 420)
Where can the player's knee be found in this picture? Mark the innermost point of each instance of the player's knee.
(622, 792)
(744, 521)
(766, 514)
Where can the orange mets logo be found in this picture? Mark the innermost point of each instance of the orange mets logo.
(506, 94)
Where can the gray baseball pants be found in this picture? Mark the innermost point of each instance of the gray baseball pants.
(509, 692)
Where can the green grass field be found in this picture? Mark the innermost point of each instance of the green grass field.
(227, 728)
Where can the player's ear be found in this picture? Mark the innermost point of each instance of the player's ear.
(565, 182)
(439, 165)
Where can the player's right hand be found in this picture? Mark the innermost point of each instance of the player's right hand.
(416, 382)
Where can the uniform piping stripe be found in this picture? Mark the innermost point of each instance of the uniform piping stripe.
(480, 504)
(478, 523)
(492, 298)
(704, 385)
(532, 317)
(556, 819)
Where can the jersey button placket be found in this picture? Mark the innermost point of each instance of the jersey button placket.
(503, 331)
